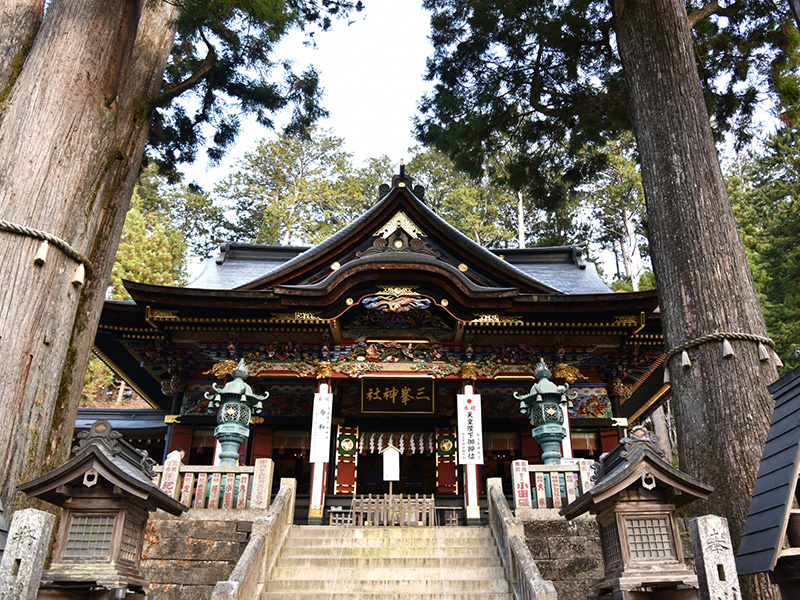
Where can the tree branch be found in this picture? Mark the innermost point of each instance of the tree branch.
(194, 79)
(712, 8)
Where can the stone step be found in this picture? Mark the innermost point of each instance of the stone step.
(387, 572)
(393, 586)
(446, 552)
(385, 596)
(385, 562)
(386, 542)
(310, 531)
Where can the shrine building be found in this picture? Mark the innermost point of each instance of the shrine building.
(393, 321)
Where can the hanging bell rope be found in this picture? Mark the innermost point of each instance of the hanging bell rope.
(49, 239)
(766, 348)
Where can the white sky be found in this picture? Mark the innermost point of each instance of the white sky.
(372, 77)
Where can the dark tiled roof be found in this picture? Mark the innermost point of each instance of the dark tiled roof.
(116, 460)
(559, 269)
(123, 419)
(567, 278)
(765, 527)
(617, 466)
(238, 264)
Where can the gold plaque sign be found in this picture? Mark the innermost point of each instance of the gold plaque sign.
(397, 395)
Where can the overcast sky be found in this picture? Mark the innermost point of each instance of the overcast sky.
(372, 76)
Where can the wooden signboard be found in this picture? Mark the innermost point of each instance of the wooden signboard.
(397, 395)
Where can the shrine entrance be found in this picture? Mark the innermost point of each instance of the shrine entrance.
(428, 463)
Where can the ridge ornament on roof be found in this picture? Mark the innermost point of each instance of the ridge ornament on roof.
(400, 220)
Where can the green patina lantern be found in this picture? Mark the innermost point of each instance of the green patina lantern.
(235, 404)
(543, 404)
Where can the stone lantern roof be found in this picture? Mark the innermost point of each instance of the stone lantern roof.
(637, 462)
(102, 454)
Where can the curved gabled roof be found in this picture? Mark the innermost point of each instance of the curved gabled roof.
(537, 270)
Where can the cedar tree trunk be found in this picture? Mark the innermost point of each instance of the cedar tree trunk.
(722, 407)
(19, 22)
(72, 134)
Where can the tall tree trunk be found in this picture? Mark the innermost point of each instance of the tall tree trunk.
(19, 22)
(722, 407)
(71, 142)
(521, 218)
(633, 258)
(661, 429)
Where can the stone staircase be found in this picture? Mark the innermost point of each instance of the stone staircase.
(388, 563)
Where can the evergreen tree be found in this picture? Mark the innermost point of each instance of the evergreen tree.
(148, 252)
(568, 75)
(616, 199)
(765, 195)
(183, 208)
(475, 207)
(77, 105)
(299, 190)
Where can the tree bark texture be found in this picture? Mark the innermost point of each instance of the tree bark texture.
(722, 407)
(71, 141)
(19, 22)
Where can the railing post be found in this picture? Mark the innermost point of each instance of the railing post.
(586, 472)
(169, 478)
(262, 483)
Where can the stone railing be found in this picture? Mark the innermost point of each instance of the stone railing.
(521, 569)
(203, 487)
(253, 568)
(549, 486)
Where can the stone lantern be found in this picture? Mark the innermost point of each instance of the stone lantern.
(235, 403)
(106, 491)
(545, 411)
(635, 500)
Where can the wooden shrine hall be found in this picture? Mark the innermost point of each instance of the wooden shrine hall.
(393, 318)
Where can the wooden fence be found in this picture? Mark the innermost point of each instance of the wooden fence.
(387, 511)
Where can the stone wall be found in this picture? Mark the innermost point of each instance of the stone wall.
(183, 559)
(567, 553)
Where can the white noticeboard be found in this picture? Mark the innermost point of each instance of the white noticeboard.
(470, 429)
(321, 428)
(391, 464)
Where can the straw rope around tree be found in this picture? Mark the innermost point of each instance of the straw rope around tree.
(727, 349)
(50, 239)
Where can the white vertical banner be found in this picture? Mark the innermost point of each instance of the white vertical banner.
(470, 428)
(391, 463)
(321, 426)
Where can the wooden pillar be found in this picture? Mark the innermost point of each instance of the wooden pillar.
(472, 488)
(179, 435)
(316, 506)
